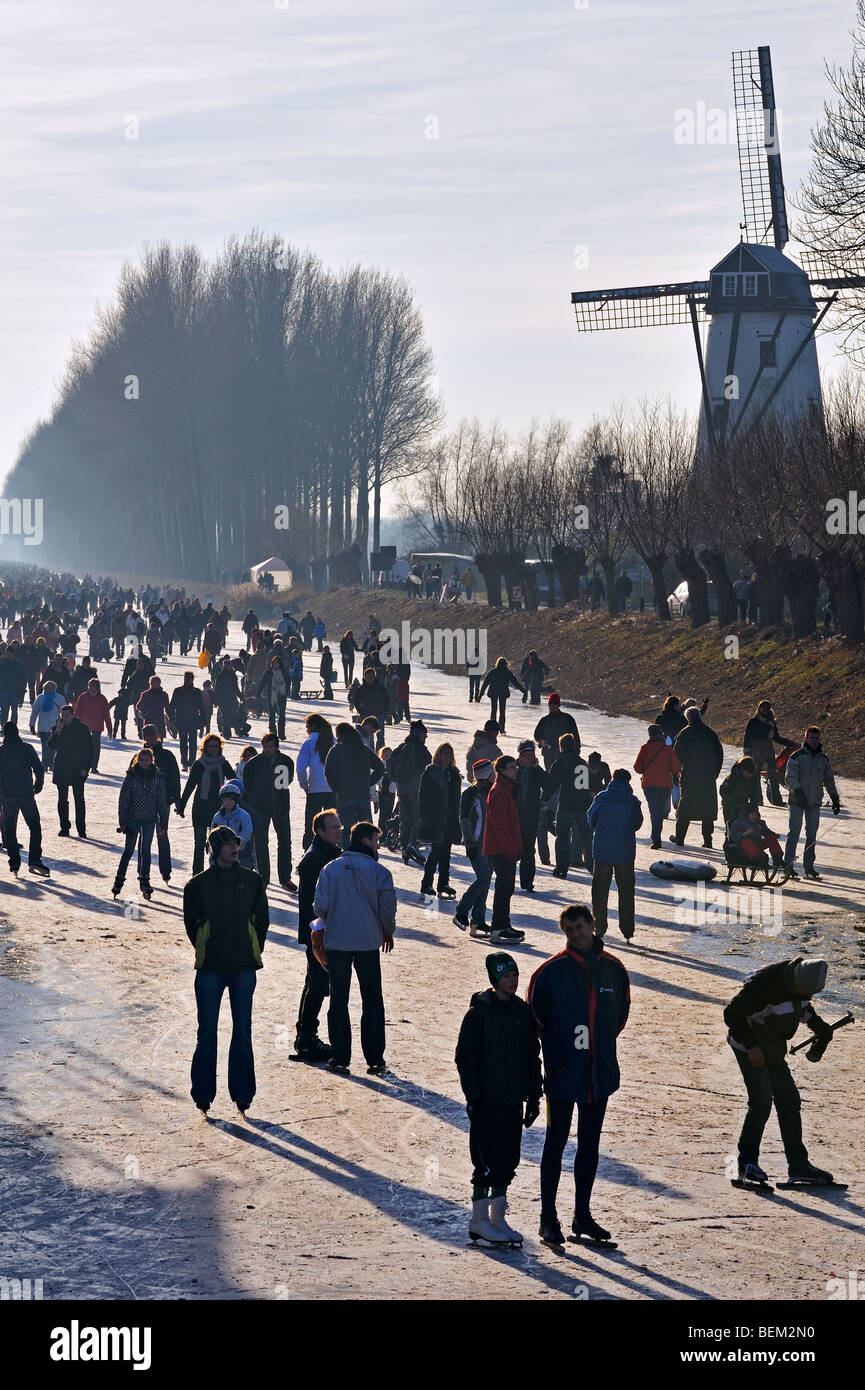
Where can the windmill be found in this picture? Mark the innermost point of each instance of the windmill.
(763, 309)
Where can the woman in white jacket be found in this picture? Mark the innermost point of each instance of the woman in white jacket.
(44, 714)
(310, 771)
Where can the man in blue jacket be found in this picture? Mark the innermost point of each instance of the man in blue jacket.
(614, 816)
(580, 1000)
(356, 898)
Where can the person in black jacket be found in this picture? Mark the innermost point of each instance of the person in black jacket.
(21, 779)
(497, 684)
(405, 766)
(226, 918)
(186, 711)
(208, 773)
(439, 818)
(498, 1060)
(350, 769)
(72, 742)
(265, 780)
(762, 1018)
(166, 763)
(13, 686)
(142, 810)
(371, 698)
(569, 778)
(327, 829)
(532, 789)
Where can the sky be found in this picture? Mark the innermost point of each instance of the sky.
(498, 153)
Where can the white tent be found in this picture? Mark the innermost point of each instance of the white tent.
(278, 568)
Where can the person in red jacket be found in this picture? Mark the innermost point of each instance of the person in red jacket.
(658, 763)
(152, 706)
(503, 846)
(92, 709)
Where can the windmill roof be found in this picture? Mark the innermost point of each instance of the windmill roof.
(766, 258)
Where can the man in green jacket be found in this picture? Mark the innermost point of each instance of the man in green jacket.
(226, 918)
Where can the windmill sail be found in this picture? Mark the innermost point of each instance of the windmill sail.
(763, 204)
(638, 306)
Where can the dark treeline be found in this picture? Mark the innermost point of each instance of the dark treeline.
(210, 395)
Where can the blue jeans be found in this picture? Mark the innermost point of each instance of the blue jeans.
(209, 987)
(812, 822)
(473, 903)
(658, 801)
(138, 833)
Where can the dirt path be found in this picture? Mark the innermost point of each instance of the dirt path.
(113, 1186)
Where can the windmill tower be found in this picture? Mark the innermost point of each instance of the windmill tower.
(763, 310)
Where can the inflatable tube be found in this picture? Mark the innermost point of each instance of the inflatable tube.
(683, 870)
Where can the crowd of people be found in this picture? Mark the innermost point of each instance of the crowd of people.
(366, 791)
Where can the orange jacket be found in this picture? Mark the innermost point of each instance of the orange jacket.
(657, 762)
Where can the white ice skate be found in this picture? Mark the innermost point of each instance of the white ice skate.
(498, 1207)
(480, 1226)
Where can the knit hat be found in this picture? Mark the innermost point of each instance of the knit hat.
(219, 836)
(231, 788)
(417, 726)
(554, 698)
(527, 746)
(498, 963)
(809, 976)
(621, 774)
(481, 768)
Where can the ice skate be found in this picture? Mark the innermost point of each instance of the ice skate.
(480, 1226)
(586, 1229)
(498, 1207)
(806, 1175)
(752, 1175)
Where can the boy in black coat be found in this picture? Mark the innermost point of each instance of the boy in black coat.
(498, 1060)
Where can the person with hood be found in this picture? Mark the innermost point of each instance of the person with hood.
(808, 772)
(658, 765)
(762, 1018)
(580, 999)
(532, 789)
(21, 780)
(226, 918)
(208, 774)
(142, 809)
(503, 846)
(227, 698)
(614, 816)
(232, 814)
(761, 735)
(310, 771)
(533, 673)
(405, 766)
(568, 781)
(44, 716)
(439, 793)
(497, 683)
(483, 745)
(326, 833)
(498, 1061)
(471, 909)
(350, 769)
(356, 902)
(371, 698)
(701, 754)
(72, 745)
(740, 791)
(186, 712)
(549, 730)
(265, 783)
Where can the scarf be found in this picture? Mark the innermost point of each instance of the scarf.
(211, 768)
